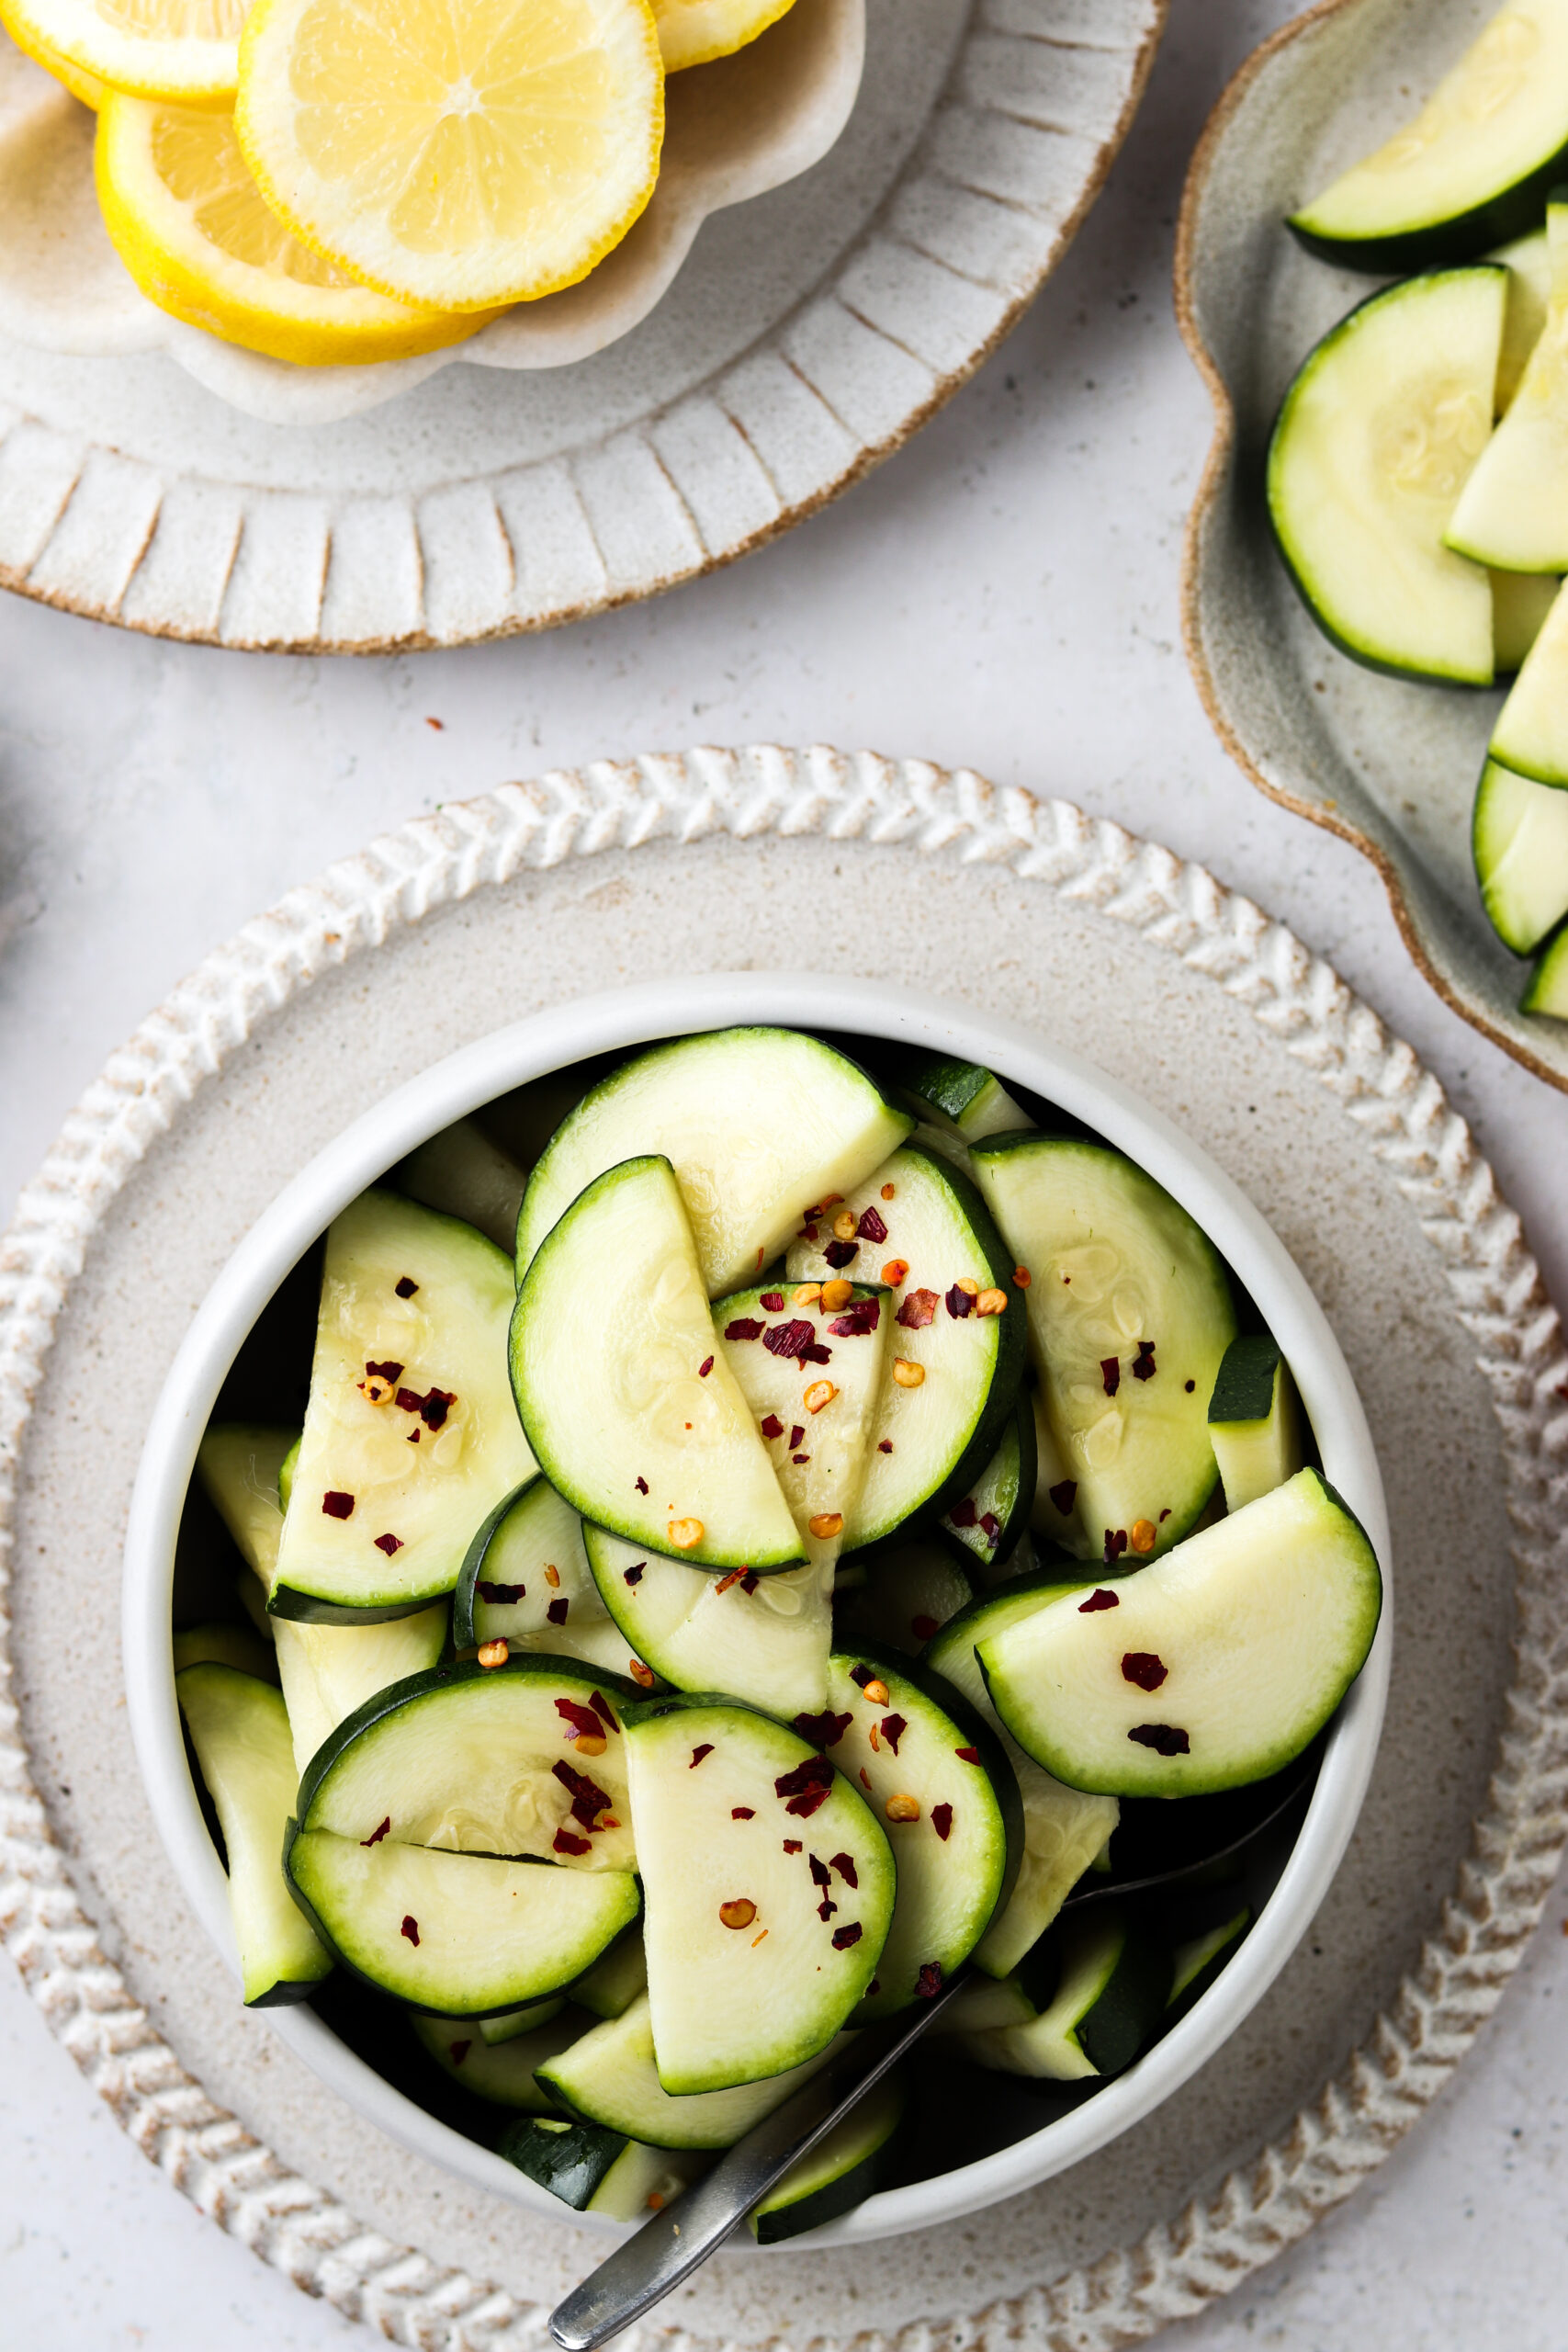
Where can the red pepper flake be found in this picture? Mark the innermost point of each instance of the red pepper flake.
(337, 1505)
(414, 1436)
(1099, 1599)
(799, 1340)
(459, 2050)
(929, 1982)
(964, 1514)
(839, 1254)
(990, 1527)
(847, 1935)
(870, 1227)
(862, 1675)
(792, 1845)
(872, 1989)
(1115, 1542)
(771, 1301)
(557, 1610)
(600, 1706)
(643, 1674)
(884, 1446)
(745, 1327)
(726, 1581)
(566, 1842)
(807, 1233)
(893, 1730)
(1111, 1373)
(799, 1459)
(1144, 1367)
(432, 1409)
(388, 1544)
(1144, 1669)
(919, 1309)
(1164, 1514)
(405, 1286)
(499, 1595)
(845, 1866)
(805, 1786)
(1063, 1496)
(377, 1835)
(826, 1908)
(582, 1722)
(704, 1367)
(634, 1576)
(825, 1730)
(1166, 1739)
(383, 1371)
(797, 1433)
(642, 1486)
(411, 1929)
(821, 1874)
(698, 1753)
(960, 1303)
(748, 1582)
(968, 1755)
(924, 1628)
(742, 1813)
(773, 1425)
(865, 1777)
(760, 1253)
(857, 1320)
(587, 1798)
(941, 1821)
(1189, 1385)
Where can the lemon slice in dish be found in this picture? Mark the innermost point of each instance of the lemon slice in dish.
(691, 31)
(185, 50)
(77, 80)
(462, 157)
(188, 222)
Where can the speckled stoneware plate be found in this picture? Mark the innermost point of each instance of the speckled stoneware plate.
(809, 332)
(545, 892)
(1389, 765)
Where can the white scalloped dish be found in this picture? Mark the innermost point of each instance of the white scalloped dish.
(736, 128)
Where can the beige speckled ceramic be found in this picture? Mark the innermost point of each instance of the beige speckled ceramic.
(1387, 764)
(488, 912)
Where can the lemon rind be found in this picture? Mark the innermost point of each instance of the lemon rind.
(184, 71)
(758, 22)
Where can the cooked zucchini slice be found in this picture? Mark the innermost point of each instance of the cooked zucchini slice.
(1373, 444)
(526, 1578)
(1211, 1668)
(919, 1224)
(1528, 261)
(501, 2072)
(1129, 1314)
(1513, 510)
(843, 2170)
(609, 2077)
(1531, 733)
(988, 1521)
(1474, 167)
(410, 1435)
(962, 1097)
(614, 1982)
(986, 2004)
(461, 1172)
(768, 1885)
(1546, 990)
(902, 1598)
(626, 1398)
(512, 2023)
(764, 1639)
(759, 1123)
(239, 1646)
(239, 1729)
(1055, 1515)
(1197, 1960)
(598, 2171)
(1255, 1420)
(239, 1463)
(1520, 603)
(1114, 1977)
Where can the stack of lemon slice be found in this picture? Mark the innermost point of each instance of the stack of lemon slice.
(333, 181)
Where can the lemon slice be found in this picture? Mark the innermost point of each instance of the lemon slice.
(189, 225)
(185, 50)
(459, 155)
(77, 80)
(691, 31)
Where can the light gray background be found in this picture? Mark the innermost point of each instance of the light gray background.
(1002, 595)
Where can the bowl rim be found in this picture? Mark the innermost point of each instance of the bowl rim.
(640, 1014)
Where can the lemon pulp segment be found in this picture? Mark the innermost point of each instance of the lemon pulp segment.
(462, 153)
(188, 50)
(692, 32)
(189, 223)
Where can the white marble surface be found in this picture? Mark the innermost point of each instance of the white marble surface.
(1003, 594)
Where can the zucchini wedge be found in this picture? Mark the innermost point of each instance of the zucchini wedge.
(762, 1639)
(599, 2171)
(1531, 733)
(966, 1100)
(502, 2072)
(1520, 604)
(1513, 511)
(527, 1580)
(1528, 261)
(988, 1521)
(902, 1598)
(239, 1646)
(1546, 990)
(609, 2077)
(842, 2171)
(1112, 1990)
(512, 2023)
(614, 1981)
(1255, 1420)
(461, 1172)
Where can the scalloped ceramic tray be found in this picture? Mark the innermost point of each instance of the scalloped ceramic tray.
(1389, 765)
(808, 334)
(545, 892)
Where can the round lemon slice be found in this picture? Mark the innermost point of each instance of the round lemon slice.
(188, 50)
(461, 156)
(77, 80)
(188, 222)
(691, 31)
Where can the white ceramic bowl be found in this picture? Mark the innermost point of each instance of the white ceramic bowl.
(673, 1008)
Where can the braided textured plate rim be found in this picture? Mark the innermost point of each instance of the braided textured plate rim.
(1397, 1106)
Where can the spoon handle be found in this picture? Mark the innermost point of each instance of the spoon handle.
(677, 2240)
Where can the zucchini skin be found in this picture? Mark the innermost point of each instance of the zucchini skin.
(1466, 236)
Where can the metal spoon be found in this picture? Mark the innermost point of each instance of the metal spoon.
(679, 2239)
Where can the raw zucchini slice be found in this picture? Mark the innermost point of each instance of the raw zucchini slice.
(986, 2004)
(523, 1758)
(1513, 510)
(1197, 1961)
(968, 1101)
(410, 1435)
(919, 1224)
(462, 1173)
(1064, 1830)
(614, 1982)
(1129, 1314)
(239, 1646)
(609, 2077)
(1055, 1515)
(1529, 264)
(527, 1574)
(240, 1731)
(502, 2072)
(1214, 1667)
(903, 1600)
(843, 2170)
(768, 1886)
(1474, 165)
(528, 2019)
(1520, 603)
(1114, 1982)
(1373, 446)
(599, 2171)
(1546, 990)
(935, 1775)
(329, 1671)
(627, 1401)
(813, 1376)
(237, 1462)
(1531, 733)
(758, 1123)
(988, 1521)
(764, 1639)
(458, 1933)
(1254, 1419)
